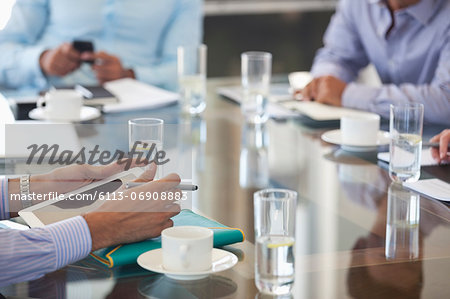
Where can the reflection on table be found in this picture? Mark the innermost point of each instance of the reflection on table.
(353, 234)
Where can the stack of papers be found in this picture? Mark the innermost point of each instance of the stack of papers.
(134, 95)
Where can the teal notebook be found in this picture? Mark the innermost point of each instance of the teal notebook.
(128, 253)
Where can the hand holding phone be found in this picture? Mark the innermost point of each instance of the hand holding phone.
(84, 46)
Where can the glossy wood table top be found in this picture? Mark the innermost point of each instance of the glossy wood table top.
(342, 216)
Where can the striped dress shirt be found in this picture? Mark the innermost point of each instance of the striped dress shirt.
(27, 255)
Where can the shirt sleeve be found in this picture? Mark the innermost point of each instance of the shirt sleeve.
(183, 29)
(32, 253)
(343, 54)
(434, 96)
(20, 55)
(4, 202)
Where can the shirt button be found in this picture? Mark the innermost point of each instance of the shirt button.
(380, 33)
(391, 63)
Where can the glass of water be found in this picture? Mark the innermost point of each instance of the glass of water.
(406, 122)
(145, 139)
(402, 225)
(274, 234)
(192, 78)
(256, 71)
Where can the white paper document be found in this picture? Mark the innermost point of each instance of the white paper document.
(282, 105)
(279, 92)
(134, 95)
(426, 159)
(433, 188)
(321, 112)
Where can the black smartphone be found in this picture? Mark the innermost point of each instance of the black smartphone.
(83, 46)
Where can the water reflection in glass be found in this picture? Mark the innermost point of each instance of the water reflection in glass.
(254, 159)
(402, 224)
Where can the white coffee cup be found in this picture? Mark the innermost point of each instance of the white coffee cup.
(360, 130)
(187, 248)
(61, 104)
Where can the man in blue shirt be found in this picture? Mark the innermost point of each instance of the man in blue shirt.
(136, 39)
(29, 254)
(408, 42)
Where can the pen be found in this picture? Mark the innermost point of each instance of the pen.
(433, 144)
(185, 187)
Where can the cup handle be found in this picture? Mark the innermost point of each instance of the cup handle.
(40, 102)
(183, 254)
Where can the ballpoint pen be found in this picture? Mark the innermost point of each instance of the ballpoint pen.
(185, 187)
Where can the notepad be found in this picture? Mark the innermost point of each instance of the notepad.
(134, 95)
(433, 188)
(425, 160)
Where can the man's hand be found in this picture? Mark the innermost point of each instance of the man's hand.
(441, 154)
(326, 90)
(107, 67)
(127, 221)
(60, 61)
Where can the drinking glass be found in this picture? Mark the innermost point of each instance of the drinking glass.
(256, 70)
(274, 235)
(192, 78)
(402, 225)
(145, 138)
(405, 150)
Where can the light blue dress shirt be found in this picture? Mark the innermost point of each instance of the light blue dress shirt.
(29, 254)
(413, 60)
(144, 34)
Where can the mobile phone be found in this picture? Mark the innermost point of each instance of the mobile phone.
(83, 46)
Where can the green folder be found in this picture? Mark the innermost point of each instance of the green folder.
(128, 253)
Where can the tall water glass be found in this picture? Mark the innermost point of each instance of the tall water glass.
(192, 78)
(145, 138)
(406, 122)
(402, 225)
(274, 234)
(256, 71)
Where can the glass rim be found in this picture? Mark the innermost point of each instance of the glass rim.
(192, 46)
(256, 55)
(146, 121)
(290, 193)
(410, 106)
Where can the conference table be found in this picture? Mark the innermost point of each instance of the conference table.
(344, 237)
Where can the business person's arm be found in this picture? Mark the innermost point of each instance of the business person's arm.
(343, 56)
(184, 28)
(19, 62)
(434, 96)
(30, 254)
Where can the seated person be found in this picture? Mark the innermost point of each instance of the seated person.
(136, 39)
(30, 254)
(407, 41)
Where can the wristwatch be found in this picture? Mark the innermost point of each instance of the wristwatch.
(25, 191)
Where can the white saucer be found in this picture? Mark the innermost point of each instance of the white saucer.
(335, 137)
(86, 113)
(221, 260)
